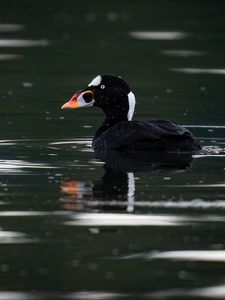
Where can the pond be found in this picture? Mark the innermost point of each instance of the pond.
(73, 226)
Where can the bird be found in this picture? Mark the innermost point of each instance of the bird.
(118, 131)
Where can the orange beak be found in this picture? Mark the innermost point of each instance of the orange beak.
(78, 100)
(72, 103)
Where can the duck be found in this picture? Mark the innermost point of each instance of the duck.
(118, 131)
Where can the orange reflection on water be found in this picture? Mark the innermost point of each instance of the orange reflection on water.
(75, 191)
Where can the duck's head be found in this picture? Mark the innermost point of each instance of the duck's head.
(111, 93)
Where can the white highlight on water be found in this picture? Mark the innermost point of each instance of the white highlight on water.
(113, 219)
(11, 27)
(209, 292)
(199, 71)
(194, 204)
(9, 56)
(205, 126)
(79, 142)
(9, 165)
(213, 292)
(94, 295)
(183, 255)
(159, 35)
(183, 53)
(23, 43)
(190, 255)
(33, 213)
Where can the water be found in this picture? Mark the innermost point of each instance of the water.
(73, 226)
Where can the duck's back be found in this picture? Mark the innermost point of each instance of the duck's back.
(154, 135)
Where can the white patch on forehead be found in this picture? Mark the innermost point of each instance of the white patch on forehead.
(96, 81)
(132, 101)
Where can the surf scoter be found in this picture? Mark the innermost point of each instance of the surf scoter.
(118, 132)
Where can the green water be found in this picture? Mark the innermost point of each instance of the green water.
(72, 227)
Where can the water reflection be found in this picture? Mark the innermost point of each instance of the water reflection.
(10, 56)
(199, 71)
(183, 53)
(19, 166)
(110, 219)
(159, 35)
(184, 255)
(116, 190)
(75, 192)
(145, 161)
(211, 292)
(95, 295)
(23, 43)
(36, 173)
(11, 27)
(12, 237)
(192, 255)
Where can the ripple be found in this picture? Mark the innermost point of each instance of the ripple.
(10, 56)
(212, 185)
(94, 295)
(11, 237)
(205, 126)
(195, 204)
(23, 43)
(33, 213)
(110, 219)
(6, 295)
(192, 255)
(183, 53)
(186, 255)
(159, 35)
(212, 151)
(211, 292)
(18, 165)
(199, 71)
(53, 295)
(11, 27)
(67, 142)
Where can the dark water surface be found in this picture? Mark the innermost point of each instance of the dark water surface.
(73, 227)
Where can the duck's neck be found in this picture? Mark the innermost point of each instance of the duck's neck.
(117, 112)
(109, 122)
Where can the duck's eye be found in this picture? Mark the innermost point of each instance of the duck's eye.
(88, 97)
(102, 86)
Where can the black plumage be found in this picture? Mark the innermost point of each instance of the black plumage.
(118, 133)
(154, 135)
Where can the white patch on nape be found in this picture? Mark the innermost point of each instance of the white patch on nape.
(132, 102)
(96, 81)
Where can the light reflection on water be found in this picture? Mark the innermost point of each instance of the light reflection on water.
(103, 202)
(66, 213)
(9, 56)
(8, 166)
(159, 35)
(183, 53)
(11, 27)
(212, 292)
(102, 219)
(194, 204)
(10, 237)
(52, 295)
(23, 43)
(184, 255)
(212, 71)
